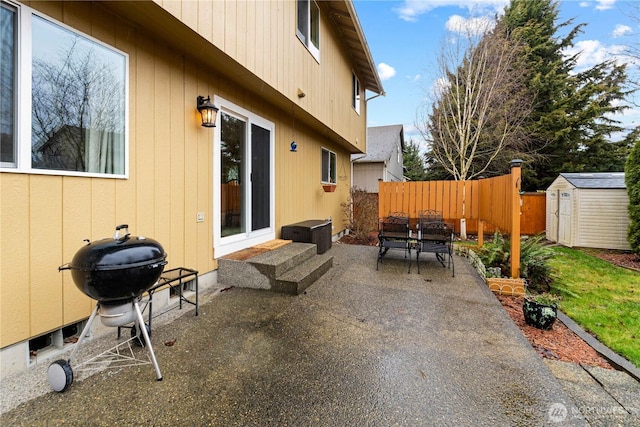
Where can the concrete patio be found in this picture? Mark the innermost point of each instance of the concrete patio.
(359, 347)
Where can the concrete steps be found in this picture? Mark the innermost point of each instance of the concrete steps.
(289, 269)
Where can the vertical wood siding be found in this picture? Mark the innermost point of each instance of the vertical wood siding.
(262, 36)
(44, 218)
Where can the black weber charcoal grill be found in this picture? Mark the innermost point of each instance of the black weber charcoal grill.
(115, 272)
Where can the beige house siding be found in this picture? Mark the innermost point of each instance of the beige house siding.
(44, 218)
(262, 37)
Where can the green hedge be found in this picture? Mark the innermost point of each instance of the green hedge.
(632, 179)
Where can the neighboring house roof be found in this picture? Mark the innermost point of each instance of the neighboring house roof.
(596, 180)
(381, 143)
(346, 19)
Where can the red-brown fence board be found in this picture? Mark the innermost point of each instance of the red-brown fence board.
(485, 198)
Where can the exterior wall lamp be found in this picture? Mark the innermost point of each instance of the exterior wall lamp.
(208, 111)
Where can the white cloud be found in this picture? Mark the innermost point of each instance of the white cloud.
(385, 71)
(411, 131)
(474, 26)
(621, 30)
(412, 9)
(605, 4)
(592, 52)
(600, 4)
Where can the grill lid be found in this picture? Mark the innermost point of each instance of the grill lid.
(117, 253)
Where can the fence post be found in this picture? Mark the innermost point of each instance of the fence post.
(516, 182)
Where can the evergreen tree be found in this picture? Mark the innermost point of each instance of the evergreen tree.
(569, 123)
(414, 168)
(632, 179)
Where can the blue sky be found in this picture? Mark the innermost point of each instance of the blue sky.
(405, 37)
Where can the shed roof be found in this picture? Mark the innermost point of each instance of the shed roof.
(382, 142)
(596, 180)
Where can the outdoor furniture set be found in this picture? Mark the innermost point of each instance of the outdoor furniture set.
(432, 235)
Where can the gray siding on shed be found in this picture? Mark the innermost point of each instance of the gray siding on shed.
(602, 218)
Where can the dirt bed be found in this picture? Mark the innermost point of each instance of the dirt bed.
(620, 258)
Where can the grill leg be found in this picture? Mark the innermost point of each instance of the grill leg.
(85, 332)
(143, 330)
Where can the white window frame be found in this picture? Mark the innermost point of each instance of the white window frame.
(312, 12)
(355, 96)
(23, 83)
(229, 244)
(331, 174)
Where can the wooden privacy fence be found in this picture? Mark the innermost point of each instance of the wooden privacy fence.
(486, 205)
(396, 196)
(444, 196)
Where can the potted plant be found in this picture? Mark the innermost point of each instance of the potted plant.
(329, 187)
(540, 310)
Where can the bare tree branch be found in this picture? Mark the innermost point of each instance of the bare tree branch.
(480, 105)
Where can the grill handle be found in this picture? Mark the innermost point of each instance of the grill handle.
(126, 234)
(64, 267)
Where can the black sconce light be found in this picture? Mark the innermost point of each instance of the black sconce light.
(208, 111)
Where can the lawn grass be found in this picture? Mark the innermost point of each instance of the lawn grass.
(600, 297)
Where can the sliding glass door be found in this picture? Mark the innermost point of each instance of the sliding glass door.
(245, 179)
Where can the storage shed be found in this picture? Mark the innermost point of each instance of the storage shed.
(588, 210)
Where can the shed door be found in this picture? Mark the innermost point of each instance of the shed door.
(552, 215)
(564, 220)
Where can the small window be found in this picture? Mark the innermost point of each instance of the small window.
(308, 28)
(355, 99)
(328, 166)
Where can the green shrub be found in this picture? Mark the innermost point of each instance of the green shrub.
(534, 256)
(632, 179)
(496, 254)
(534, 266)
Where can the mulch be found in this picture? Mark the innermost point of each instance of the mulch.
(558, 343)
(620, 258)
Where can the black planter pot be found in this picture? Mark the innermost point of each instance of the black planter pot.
(538, 315)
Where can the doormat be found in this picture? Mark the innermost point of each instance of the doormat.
(273, 244)
(247, 253)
